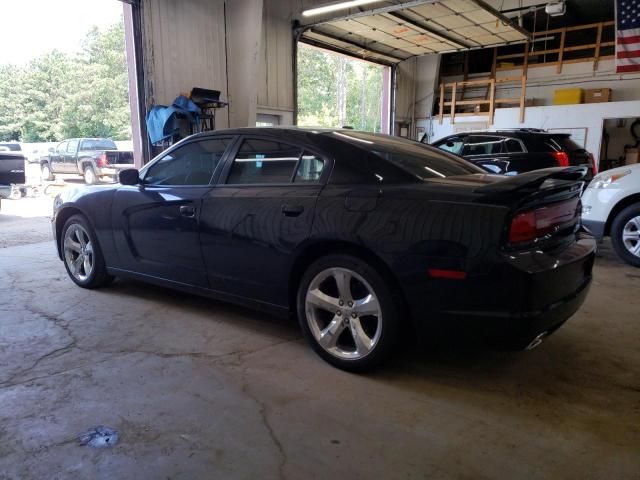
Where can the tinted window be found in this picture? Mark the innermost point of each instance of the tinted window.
(72, 146)
(418, 160)
(309, 169)
(567, 144)
(482, 145)
(513, 146)
(12, 147)
(453, 145)
(99, 144)
(191, 164)
(264, 161)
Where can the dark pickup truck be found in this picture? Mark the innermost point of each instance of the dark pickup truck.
(11, 172)
(95, 159)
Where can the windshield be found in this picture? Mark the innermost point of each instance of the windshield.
(99, 144)
(415, 158)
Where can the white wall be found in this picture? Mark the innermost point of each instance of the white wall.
(589, 115)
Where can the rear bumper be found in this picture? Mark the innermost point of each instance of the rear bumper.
(511, 303)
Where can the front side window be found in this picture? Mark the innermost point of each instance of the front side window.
(61, 149)
(452, 145)
(482, 145)
(191, 164)
(264, 161)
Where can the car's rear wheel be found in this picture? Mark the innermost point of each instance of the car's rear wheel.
(46, 172)
(625, 234)
(82, 255)
(89, 175)
(347, 312)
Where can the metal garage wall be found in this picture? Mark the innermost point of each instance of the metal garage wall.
(184, 46)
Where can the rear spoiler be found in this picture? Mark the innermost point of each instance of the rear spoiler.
(531, 181)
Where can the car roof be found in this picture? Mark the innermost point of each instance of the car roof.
(519, 133)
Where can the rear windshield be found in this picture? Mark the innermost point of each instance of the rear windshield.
(99, 144)
(566, 143)
(11, 147)
(419, 160)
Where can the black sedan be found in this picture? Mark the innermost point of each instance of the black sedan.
(360, 235)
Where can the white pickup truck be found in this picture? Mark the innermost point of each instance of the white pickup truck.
(611, 207)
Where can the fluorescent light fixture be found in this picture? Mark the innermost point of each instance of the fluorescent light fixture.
(336, 6)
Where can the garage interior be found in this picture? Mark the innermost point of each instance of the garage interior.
(202, 389)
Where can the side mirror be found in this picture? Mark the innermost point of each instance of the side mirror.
(130, 176)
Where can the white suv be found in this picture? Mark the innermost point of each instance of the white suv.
(611, 206)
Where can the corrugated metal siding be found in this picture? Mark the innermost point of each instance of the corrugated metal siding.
(184, 48)
(275, 79)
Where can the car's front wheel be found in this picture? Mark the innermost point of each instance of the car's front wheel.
(625, 234)
(347, 312)
(82, 255)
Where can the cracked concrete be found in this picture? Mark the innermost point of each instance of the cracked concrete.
(201, 389)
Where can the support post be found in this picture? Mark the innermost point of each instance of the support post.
(453, 104)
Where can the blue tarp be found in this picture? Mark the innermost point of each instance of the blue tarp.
(161, 120)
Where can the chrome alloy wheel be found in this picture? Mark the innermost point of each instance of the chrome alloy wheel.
(78, 252)
(631, 236)
(343, 313)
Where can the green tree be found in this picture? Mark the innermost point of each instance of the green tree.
(59, 96)
(99, 104)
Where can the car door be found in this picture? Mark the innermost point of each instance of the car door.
(156, 223)
(56, 158)
(70, 156)
(259, 213)
(486, 151)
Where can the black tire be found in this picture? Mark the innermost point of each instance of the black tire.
(90, 177)
(617, 230)
(98, 276)
(388, 321)
(46, 172)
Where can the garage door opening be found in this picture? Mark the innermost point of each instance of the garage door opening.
(335, 90)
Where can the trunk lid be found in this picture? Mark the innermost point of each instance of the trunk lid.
(11, 168)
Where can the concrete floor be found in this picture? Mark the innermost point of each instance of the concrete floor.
(200, 389)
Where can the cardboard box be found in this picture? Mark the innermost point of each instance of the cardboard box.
(597, 95)
(568, 96)
(631, 156)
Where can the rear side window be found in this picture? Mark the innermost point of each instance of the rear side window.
(266, 161)
(567, 144)
(513, 146)
(482, 145)
(72, 146)
(309, 169)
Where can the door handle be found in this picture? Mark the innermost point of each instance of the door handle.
(292, 210)
(187, 211)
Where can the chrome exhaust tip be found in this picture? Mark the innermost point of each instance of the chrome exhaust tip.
(536, 341)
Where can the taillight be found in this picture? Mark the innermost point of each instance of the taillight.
(594, 167)
(533, 224)
(102, 160)
(562, 158)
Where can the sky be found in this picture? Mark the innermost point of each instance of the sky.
(29, 28)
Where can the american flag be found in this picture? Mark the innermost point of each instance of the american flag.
(627, 36)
